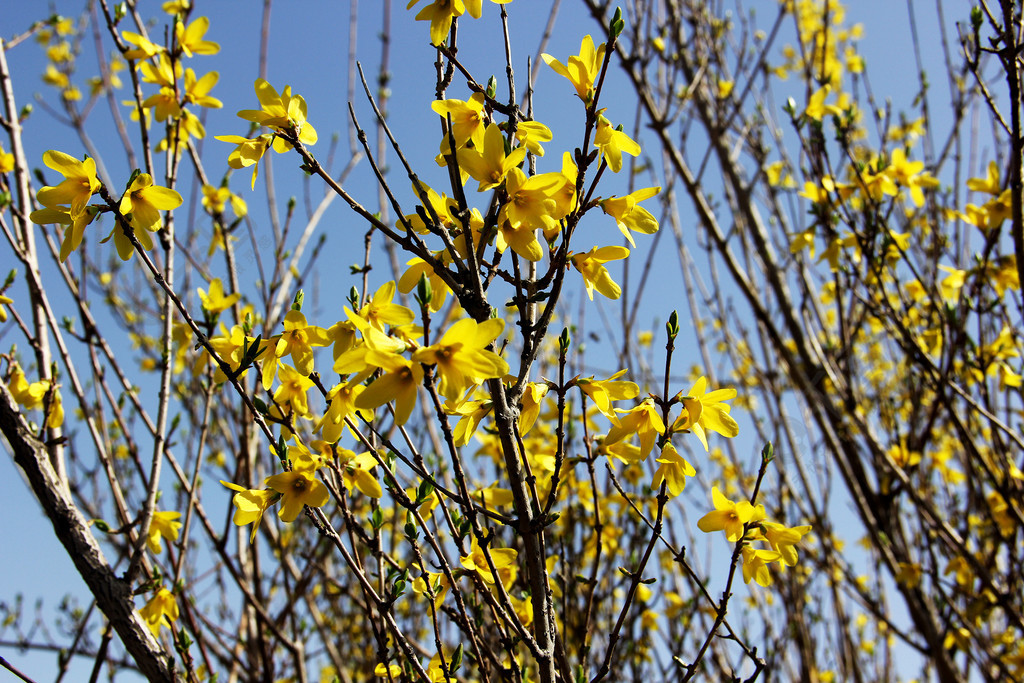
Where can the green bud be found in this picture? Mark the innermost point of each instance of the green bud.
(120, 11)
(767, 453)
(456, 659)
(976, 18)
(377, 519)
(101, 525)
(297, 304)
(564, 340)
(353, 298)
(424, 292)
(672, 326)
(492, 87)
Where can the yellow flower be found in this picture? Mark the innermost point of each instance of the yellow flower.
(163, 525)
(531, 200)
(356, 472)
(531, 133)
(612, 143)
(603, 391)
(143, 202)
(161, 610)
(74, 228)
(673, 471)
(197, 92)
(190, 38)
(488, 163)
(80, 183)
(248, 152)
(215, 301)
(582, 70)
(144, 48)
(216, 200)
(283, 112)
(468, 118)
(342, 399)
(250, 504)
(989, 184)
(645, 421)
(595, 275)
(418, 268)
(440, 14)
(25, 393)
(504, 560)
(783, 539)
(461, 357)
(729, 516)
(298, 340)
(816, 107)
(533, 395)
(298, 488)
(294, 386)
(6, 161)
(4, 301)
(629, 215)
(379, 311)
(755, 565)
(398, 384)
(707, 411)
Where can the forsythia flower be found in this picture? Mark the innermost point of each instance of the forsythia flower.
(729, 516)
(282, 112)
(144, 201)
(488, 163)
(356, 472)
(298, 488)
(440, 14)
(161, 610)
(163, 525)
(298, 340)
(644, 421)
(215, 301)
(190, 38)
(629, 215)
(4, 301)
(673, 471)
(783, 539)
(582, 69)
(707, 411)
(250, 504)
(595, 275)
(461, 357)
(504, 560)
(248, 152)
(468, 118)
(294, 386)
(80, 182)
(612, 143)
(755, 565)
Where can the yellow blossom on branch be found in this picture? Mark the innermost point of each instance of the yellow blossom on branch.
(298, 488)
(504, 560)
(250, 504)
(612, 143)
(728, 516)
(461, 356)
(644, 421)
(629, 215)
(79, 184)
(216, 301)
(595, 275)
(160, 610)
(298, 340)
(163, 525)
(282, 112)
(755, 565)
(673, 470)
(707, 411)
(582, 69)
(190, 38)
(468, 118)
(248, 151)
